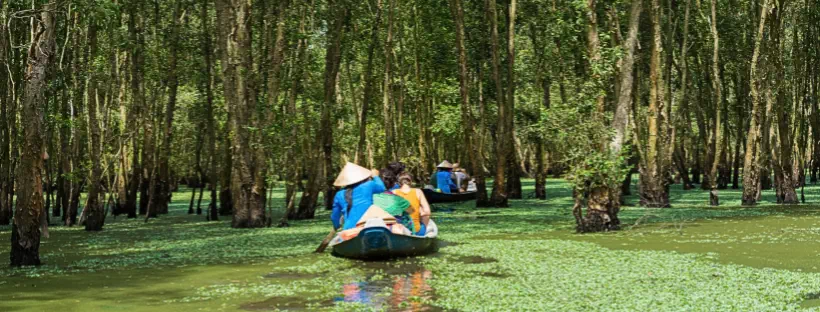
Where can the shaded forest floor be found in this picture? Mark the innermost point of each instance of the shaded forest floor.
(689, 257)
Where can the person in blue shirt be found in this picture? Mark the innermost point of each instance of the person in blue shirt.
(444, 180)
(358, 187)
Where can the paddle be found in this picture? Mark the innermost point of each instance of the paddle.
(325, 242)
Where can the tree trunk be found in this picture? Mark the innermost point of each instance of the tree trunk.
(25, 232)
(514, 173)
(387, 99)
(162, 191)
(787, 179)
(240, 95)
(751, 170)
(275, 65)
(654, 190)
(297, 77)
(333, 57)
(717, 86)
(499, 198)
(482, 200)
(368, 85)
(95, 212)
(620, 121)
(5, 138)
(213, 171)
(457, 11)
(135, 25)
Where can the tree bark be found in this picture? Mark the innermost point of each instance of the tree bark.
(213, 171)
(162, 192)
(277, 57)
(368, 85)
(514, 174)
(785, 168)
(5, 137)
(135, 119)
(499, 197)
(240, 95)
(620, 121)
(654, 190)
(751, 166)
(95, 212)
(457, 11)
(717, 86)
(333, 57)
(387, 90)
(25, 236)
(297, 77)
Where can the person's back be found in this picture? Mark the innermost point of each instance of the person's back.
(444, 182)
(461, 179)
(419, 210)
(353, 201)
(413, 211)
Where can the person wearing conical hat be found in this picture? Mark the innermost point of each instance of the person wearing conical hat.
(444, 179)
(358, 187)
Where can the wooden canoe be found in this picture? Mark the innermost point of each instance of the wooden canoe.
(378, 243)
(434, 197)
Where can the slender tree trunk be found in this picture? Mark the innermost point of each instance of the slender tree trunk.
(25, 232)
(654, 189)
(95, 211)
(162, 191)
(339, 12)
(387, 99)
(751, 170)
(297, 77)
(717, 86)
(5, 138)
(482, 200)
(135, 28)
(514, 172)
(620, 121)
(499, 198)
(787, 180)
(213, 171)
(464, 82)
(368, 84)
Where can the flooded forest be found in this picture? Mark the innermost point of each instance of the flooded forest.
(621, 155)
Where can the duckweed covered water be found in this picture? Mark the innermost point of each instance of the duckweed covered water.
(690, 257)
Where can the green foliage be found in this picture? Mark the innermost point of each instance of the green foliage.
(597, 169)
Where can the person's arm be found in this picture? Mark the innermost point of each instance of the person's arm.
(424, 207)
(377, 185)
(336, 214)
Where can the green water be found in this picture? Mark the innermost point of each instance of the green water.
(690, 257)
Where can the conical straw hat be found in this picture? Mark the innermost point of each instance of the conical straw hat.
(351, 174)
(445, 164)
(374, 212)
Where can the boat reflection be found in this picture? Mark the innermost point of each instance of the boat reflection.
(409, 292)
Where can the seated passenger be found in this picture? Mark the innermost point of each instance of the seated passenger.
(359, 185)
(419, 209)
(390, 175)
(461, 177)
(444, 179)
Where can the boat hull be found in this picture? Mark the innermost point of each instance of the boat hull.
(379, 243)
(434, 197)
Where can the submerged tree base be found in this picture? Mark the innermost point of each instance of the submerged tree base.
(603, 205)
(24, 255)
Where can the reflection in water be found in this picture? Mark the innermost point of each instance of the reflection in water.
(408, 292)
